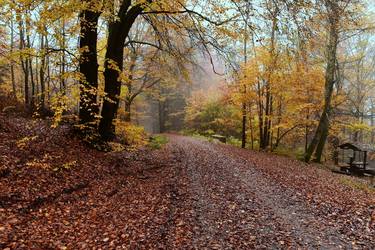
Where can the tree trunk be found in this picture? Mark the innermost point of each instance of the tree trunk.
(244, 121)
(260, 116)
(24, 63)
(32, 103)
(244, 112)
(88, 68)
(322, 141)
(307, 128)
(251, 128)
(113, 66)
(268, 119)
(42, 74)
(321, 133)
(30, 63)
(37, 94)
(12, 75)
(48, 78)
(129, 84)
(127, 111)
(267, 124)
(372, 141)
(161, 116)
(63, 60)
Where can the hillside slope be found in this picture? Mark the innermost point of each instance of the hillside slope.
(57, 193)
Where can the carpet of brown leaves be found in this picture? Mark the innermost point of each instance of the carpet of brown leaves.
(236, 198)
(56, 193)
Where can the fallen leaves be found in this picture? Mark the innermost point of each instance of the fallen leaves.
(87, 198)
(190, 194)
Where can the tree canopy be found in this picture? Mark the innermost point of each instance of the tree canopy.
(265, 72)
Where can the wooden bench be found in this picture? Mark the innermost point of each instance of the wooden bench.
(221, 138)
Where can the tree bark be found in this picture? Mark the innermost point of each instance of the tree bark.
(48, 77)
(88, 68)
(322, 141)
(129, 84)
(37, 94)
(42, 74)
(32, 103)
(321, 133)
(30, 64)
(244, 106)
(307, 129)
(118, 31)
(260, 115)
(267, 123)
(63, 60)
(162, 116)
(24, 63)
(372, 140)
(127, 111)
(244, 121)
(12, 75)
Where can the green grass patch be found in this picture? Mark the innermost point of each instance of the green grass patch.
(158, 141)
(202, 137)
(297, 153)
(195, 134)
(350, 182)
(234, 141)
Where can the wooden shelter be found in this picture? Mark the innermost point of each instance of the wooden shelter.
(352, 159)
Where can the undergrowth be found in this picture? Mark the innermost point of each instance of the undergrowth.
(355, 184)
(157, 141)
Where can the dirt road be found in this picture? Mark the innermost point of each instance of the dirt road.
(228, 203)
(191, 194)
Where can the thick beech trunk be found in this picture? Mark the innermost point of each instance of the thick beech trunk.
(118, 31)
(88, 68)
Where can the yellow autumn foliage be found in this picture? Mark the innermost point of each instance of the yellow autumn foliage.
(130, 134)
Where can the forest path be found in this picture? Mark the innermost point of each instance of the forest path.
(190, 194)
(230, 204)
